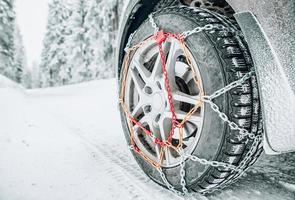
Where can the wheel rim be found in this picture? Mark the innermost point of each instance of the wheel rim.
(146, 98)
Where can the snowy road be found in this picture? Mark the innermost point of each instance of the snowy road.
(72, 147)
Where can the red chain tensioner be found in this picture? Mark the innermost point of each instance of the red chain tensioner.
(160, 37)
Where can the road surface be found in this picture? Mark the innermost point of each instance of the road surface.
(71, 146)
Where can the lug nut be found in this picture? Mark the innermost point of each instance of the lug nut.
(147, 109)
(148, 90)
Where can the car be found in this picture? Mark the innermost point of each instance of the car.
(205, 86)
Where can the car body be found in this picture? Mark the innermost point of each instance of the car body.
(268, 27)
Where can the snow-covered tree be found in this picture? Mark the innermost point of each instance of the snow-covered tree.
(19, 57)
(27, 78)
(102, 25)
(79, 43)
(55, 70)
(93, 22)
(7, 18)
(35, 75)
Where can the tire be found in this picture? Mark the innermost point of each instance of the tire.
(222, 58)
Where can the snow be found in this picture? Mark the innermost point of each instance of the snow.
(71, 146)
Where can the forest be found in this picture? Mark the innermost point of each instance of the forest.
(78, 45)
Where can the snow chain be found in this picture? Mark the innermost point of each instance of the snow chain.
(160, 37)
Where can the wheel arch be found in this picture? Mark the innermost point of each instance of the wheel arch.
(135, 13)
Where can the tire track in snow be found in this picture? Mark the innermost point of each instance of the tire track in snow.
(126, 171)
(110, 168)
(122, 181)
(121, 160)
(119, 164)
(121, 167)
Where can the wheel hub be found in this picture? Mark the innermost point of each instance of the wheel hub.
(158, 102)
(147, 99)
(154, 96)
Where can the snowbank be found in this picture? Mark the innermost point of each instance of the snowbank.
(11, 105)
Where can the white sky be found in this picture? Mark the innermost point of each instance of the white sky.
(32, 19)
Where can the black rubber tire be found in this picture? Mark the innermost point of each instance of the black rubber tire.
(222, 58)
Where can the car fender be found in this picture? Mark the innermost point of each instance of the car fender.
(276, 88)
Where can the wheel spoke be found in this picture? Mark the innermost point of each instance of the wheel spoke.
(143, 120)
(180, 115)
(142, 70)
(188, 76)
(137, 108)
(186, 98)
(137, 81)
(174, 51)
(155, 131)
(158, 152)
(186, 131)
(168, 154)
(138, 142)
(157, 70)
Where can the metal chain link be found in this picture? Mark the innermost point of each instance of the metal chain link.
(185, 34)
(182, 173)
(252, 150)
(209, 99)
(211, 163)
(129, 41)
(198, 29)
(230, 86)
(168, 185)
(242, 166)
(153, 23)
(234, 126)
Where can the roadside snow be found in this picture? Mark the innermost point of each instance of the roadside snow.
(72, 147)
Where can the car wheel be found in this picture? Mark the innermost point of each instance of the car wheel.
(219, 57)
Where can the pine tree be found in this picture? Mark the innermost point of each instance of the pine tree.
(19, 55)
(54, 66)
(35, 75)
(94, 25)
(111, 23)
(102, 23)
(79, 43)
(7, 18)
(27, 78)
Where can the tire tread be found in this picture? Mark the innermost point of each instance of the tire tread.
(237, 62)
